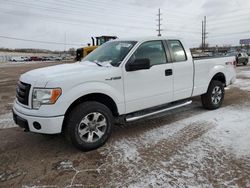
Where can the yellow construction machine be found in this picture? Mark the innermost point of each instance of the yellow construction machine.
(82, 52)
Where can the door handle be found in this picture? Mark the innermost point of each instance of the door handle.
(168, 72)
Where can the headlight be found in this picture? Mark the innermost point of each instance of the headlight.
(45, 96)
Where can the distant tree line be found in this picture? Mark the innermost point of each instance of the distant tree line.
(71, 51)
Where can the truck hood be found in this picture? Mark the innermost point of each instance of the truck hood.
(40, 77)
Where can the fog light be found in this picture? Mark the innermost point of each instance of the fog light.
(37, 125)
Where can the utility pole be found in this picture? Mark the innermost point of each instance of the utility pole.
(202, 36)
(159, 23)
(204, 33)
(65, 43)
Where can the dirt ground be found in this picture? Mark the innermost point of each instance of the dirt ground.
(187, 147)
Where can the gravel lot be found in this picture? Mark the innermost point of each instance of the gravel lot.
(188, 147)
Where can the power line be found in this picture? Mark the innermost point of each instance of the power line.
(95, 23)
(70, 12)
(38, 41)
(93, 3)
(79, 11)
(231, 14)
(93, 9)
(85, 20)
(79, 23)
(76, 11)
(226, 34)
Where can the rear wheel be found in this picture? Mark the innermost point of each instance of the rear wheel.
(89, 125)
(214, 97)
(245, 62)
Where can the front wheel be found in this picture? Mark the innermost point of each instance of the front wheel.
(89, 125)
(245, 62)
(214, 97)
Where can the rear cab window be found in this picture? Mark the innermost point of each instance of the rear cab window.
(177, 51)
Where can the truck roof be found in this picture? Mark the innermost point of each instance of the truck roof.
(148, 38)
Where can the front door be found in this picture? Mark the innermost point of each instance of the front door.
(151, 87)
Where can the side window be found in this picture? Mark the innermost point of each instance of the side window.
(177, 50)
(152, 50)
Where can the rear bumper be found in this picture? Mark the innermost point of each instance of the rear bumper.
(45, 125)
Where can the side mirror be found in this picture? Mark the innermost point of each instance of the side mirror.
(138, 64)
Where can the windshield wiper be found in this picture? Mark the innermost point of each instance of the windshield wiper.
(100, 65)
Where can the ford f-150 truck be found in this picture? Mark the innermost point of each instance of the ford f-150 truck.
(122, 80)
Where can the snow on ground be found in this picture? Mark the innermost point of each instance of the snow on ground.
(242, 84)
(244, 74)
(227, 133)
(233, 130)
(6, 121)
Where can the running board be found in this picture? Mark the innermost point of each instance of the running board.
(134, 118)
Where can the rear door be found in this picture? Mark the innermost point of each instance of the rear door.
(182, 70)
(150, 87)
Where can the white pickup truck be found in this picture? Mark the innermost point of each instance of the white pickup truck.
(122, 80)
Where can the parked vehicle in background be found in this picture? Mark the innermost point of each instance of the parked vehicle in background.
(52, 58)
(248, 52)
(26, 58)
(35, 58)
(58, 58)
(45, 58)
(120, 81)
(49, 58)
(17, 59)
(242, 58)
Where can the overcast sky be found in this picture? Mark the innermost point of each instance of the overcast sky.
(75, 21)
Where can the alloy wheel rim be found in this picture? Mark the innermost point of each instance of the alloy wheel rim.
(92, 127)
(216, 95)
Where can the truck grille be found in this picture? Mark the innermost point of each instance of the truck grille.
(22, 92)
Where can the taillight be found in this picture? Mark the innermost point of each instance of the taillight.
(233, 63)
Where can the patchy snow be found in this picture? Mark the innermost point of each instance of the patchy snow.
(244, 73)
(6, 121)
(128, 150)
(233, 130)
(65, 165)
(242, 81)
(229, 136)
(242, 84)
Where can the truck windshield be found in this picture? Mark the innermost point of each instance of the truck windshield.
(111, 52)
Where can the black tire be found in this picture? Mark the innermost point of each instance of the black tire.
(245, 62)
(76, 123)
(209, 100)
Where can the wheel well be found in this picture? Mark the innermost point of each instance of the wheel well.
(220, 77)
(98, 97)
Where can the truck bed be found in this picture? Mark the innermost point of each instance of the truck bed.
(205, 67)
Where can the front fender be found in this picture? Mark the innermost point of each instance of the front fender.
(96, 87)
(69, 95)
